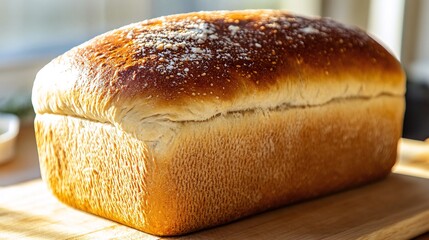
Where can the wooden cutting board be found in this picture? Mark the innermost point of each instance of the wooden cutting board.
(395, 208)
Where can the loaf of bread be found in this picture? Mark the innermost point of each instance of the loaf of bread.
(185, 122)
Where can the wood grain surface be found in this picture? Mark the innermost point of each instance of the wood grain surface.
(395, 208)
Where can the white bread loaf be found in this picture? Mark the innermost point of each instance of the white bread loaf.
(184, 122)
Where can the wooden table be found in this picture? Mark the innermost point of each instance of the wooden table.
(395, 208)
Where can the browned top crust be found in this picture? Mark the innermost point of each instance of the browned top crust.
(191, 67)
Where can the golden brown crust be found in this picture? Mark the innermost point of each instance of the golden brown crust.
(215, 171)
(188, 121)
(194, 66)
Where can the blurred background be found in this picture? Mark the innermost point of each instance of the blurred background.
(35, 31)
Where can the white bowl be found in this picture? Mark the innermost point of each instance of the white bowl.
(9, 128)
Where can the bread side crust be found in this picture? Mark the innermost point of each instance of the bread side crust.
(94, 166)
(222, 169)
